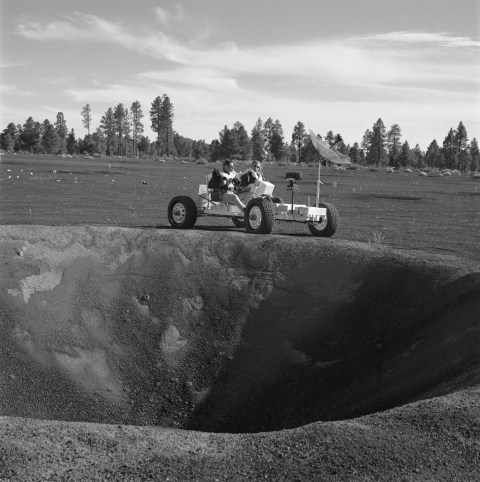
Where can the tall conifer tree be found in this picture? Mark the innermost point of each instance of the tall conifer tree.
(86, 117)
(137, 126)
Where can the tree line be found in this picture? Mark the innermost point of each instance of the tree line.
(120, 133)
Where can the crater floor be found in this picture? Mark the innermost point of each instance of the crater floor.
(222, 342)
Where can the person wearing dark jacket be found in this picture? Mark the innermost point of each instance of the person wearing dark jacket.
(249, 180)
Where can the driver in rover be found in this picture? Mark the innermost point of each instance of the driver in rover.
(229, 181)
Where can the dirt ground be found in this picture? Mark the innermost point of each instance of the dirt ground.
(135, 355)
(404, 211)
(130, 351)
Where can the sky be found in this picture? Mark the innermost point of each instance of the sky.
(336, 65)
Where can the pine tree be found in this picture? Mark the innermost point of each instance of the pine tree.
(258, 142)
(433, 156)
(393, 143)
(377, 153)
(277, 144)
(215, 150)
(405, 157)
(137, 126)
(9, 137)
(156, 119)
(366, 141)
(166, 123)
(161, 116)
(229, 147)
(86, 117)
(461, 144)
(50, 138)
(474, 156)
(107, 127)
(31, 136)
(242, 142)
(268, 133)
(356, 154)
(298, 138)
(183, 147)
(144, 145)
(120, 119)
(417, 156)
(7, 143)
(309, 153)
(200, 149)
(127, 131)
(340, 145)
(99, 141)
(330, 137)
(449, 150)
(71, 143)
(62, 132)
(89, 144)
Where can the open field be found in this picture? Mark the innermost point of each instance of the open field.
(404, 210)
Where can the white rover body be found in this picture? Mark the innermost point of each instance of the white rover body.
(259, 215)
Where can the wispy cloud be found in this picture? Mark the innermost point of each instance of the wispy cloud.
(167, 17)
(11, 89)
(72, 28)
(368, 61)
(12, 64)
(376, 75)
(85, 27)
(426, 38)
(206, 78)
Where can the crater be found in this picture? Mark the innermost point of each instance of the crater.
(226, 332)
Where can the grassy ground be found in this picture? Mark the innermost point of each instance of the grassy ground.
(403, 210)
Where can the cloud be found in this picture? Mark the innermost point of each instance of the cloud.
(204, 78)
(57, 80)
(12, 64)
(167, 18)
(403, 73)
(425, 38)
(84, 27)
(368, 61)
(75, 27)
(11, 89)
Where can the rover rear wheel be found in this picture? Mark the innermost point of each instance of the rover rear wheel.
(329, 226)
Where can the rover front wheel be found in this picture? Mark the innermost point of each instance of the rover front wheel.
(182, 212)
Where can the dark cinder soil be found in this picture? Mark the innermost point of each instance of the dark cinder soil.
(404, 211)
(130, 351)
(136, 354)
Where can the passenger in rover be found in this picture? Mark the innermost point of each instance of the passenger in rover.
(249, 180)
(238, 188)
